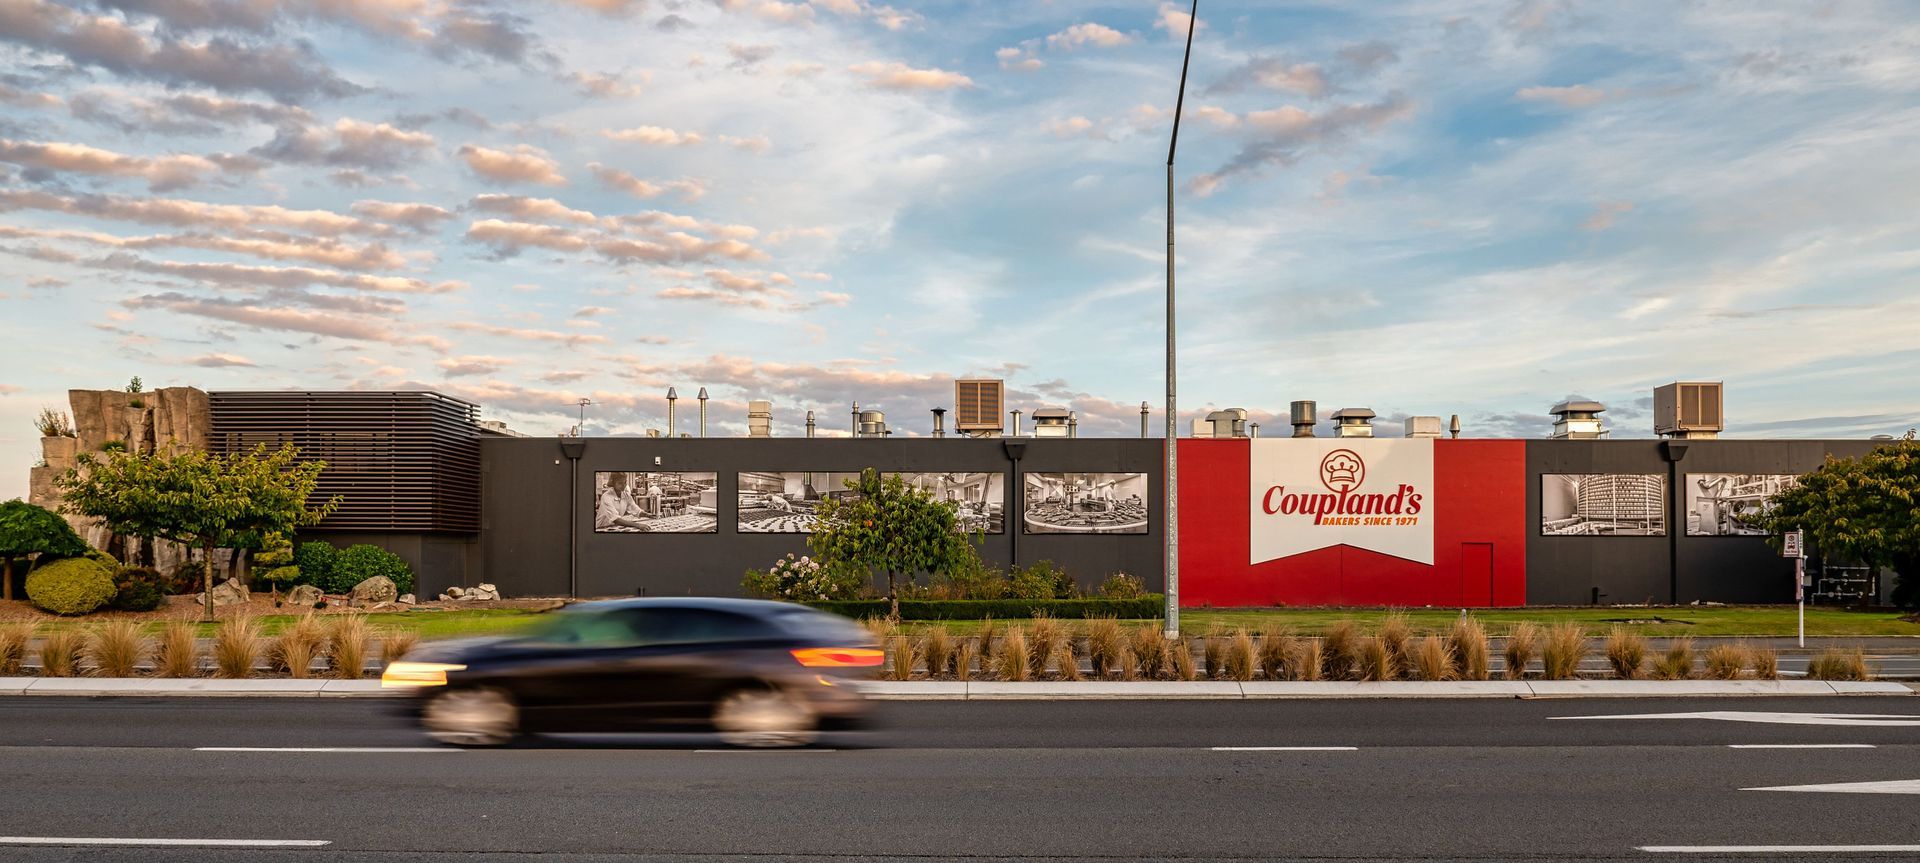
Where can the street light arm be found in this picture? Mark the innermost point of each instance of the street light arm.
(1180, 101)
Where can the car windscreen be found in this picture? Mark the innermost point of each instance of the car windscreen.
(819, 626)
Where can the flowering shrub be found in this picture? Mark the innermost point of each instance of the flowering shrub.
(802, 579)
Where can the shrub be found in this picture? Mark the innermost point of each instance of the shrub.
(274, 557)
(1275, 650)
(178, 654)
(347, 647)
(1339, 648)
(236, 647)
(1145, 608)
(1103, 645)
(60, 653)
(1429, 659)
(183, 578)
(1626, 652)
(53, 423)
(316, 561)
(1765, 662)
(803, 578)
(1011, 659)
(114, 446)
(1836, 664)
(138, 589)
(937, 647)
(1523, 644)
(972, 579)
(281, 577)
(1566, 646)
(73, 586)
(1123, 586)
(1467, 641)
(1371, 661)
(114, 649)
(1677, 662)
(1725, 661)
(1239, 659)
(1042, 580)
(361, 562)
(14, 638)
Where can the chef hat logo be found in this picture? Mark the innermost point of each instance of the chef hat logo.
(1342, 470)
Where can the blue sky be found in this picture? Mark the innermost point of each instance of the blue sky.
(1421, 207)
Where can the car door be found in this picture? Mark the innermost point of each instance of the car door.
(690, 657)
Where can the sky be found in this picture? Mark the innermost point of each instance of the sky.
(1429, 207)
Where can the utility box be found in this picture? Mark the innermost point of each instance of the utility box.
(1689, 409)
(979, 405)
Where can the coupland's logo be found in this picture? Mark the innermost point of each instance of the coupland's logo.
(1344, 472)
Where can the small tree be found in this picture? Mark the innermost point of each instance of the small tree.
(1865, 508)
(27, 530)
(887, 526)
(198, 499)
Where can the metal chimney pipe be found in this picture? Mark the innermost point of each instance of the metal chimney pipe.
(1016, 423)
(856, 419)
(672, 430)
(809, 423)
(1302, 415)
(1453, 426)
(939, 422)
(1143, 419)
(1073, 425)
(1253, 429)
(703, 411)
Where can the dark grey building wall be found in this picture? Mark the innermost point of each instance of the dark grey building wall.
(524, 540)
(438, 560)
(1563, 570)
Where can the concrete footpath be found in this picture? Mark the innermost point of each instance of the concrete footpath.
(950, 690)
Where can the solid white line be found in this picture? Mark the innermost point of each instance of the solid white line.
(324, 749)
(766, 750)
(1776, 849)
(242, 843)
(1800, 746)
(1283, 748)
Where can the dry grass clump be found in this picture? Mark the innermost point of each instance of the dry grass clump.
(986, 634)
(963, 660)
(294, 649)
(1626, 652)
(1726, 661)
(1180, 662)
(1836, 664)
(1213, 650)
(1396, 634)
(1340, 649)
(1239, 659)
(1044, 636)
(60, 653)
(178, 653)
(1125, 662)
(14, 639)
(1103, 645)
(1371, 659)
(1429, 659)
(1676, 662)
(881, 628)
(1151, 649)
(1274, 650)
(1523, 644)
(937, 648)
(1765, 662)
(115, 649)
(900, 656)
(396, 643)
(1566, 646)
(347, 645)
(1012, 659)
(1065, 662)
(1467, 642)
(237, 645)
(1304, 662)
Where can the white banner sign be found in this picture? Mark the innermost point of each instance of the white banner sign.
(1314, 493)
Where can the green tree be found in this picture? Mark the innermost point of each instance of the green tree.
(1866, 509)
(889, 527)
(198, 499)
(27, 530)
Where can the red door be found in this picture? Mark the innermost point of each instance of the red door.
(1476, 574)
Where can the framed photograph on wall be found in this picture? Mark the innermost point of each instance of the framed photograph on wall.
(1603, 504)
(786, 501)
(1085, 503)
(1728, 504)
(655, 502)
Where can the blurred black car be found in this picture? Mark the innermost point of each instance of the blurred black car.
(760, 673)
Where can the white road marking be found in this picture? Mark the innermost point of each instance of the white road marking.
(224, 843)
(1284, 748)
(769, 749)
(1897, 786)
(1800, 746)
(324, 749)
(1870, 720)
(1776, 849)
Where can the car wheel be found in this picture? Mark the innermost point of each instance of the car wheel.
(764, 718)
(471, 717)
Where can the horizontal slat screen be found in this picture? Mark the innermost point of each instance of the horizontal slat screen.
(399, 461)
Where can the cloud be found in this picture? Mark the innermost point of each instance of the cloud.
(609, 86)
(161, 173)
(537, 209)
(1088, 35)
(531, 335)
(11, 95)
(182, 113)
(320, 250)
(745, 56)
(220, 361)
(352, 143)
(614, 178)
(1282, 136)
(231, 274)
(456, 367)
(1173, 18)
(656, 136)
(672, 23)
(512, 237)
(524, 164)
(1273, 73)
(1604, 214)
(263, 315)
(414, 216)
(1018, 59)
(1576, 96)
(187, 214)
(755, 144)
(1073, 127)
(899, 76)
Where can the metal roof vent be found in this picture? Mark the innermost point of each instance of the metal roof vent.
(1578, 419)
(1353, 422)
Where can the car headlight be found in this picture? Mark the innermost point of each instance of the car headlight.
(411, 674)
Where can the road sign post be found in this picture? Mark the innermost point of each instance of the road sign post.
(1793, 545)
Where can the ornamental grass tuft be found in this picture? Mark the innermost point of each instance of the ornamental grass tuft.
(1565, 649)
(14, 640)
(1836, 664)
(1626, 652)
(1429, 659)
(1764, 661)
(1274, 650)
(115, 649)
(937, 648)
(347, 642)
(1340, 650)
(1467, 641)
(1396, 635)
(1676, 662)
(1726, 661)
(396, 643)
(1066, 663)
(1371, 660)
(1523, 645)
(1012, 659)
(1239, 660)
(178, 653)
(60, 653)
(1304, 662)
(1151, 650)
(963, 659)
(1044, 635)
(1179, 662)
(1213, 650)
(1103, 645)
(900, 656)
(236, 647)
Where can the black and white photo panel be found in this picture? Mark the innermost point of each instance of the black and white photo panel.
(1085, 503)
(641, 502)
(1730, 504)
(786, 501)
(1603, 504)
(979, 499)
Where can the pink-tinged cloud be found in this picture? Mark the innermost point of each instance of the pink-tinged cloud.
(531, 209)
(159, 172)
(614, 178)
(1088, 34)
(186, 214)
(528, 334)
(414, 216)
(1576, 96)
(523, 164)
(513, 236)
(220, 361)
(653, 136)
(900, 77)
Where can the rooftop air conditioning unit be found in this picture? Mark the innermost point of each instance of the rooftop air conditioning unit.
(1689, 409)
(979, 405)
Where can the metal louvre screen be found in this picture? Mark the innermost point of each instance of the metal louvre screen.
(976, 405)
(399, 461)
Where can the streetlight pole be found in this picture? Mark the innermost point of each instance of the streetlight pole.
(1172, 483)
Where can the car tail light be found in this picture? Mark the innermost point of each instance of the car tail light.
(839, 657)
(413, 674)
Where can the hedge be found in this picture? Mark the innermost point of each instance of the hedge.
(1151, 606)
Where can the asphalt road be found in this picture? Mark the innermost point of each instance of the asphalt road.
(1495, 779)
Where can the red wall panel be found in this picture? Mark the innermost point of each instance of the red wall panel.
(1479, 498)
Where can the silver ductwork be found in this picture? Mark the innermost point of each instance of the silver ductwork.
(1303, 415)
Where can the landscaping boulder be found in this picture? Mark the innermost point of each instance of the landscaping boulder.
(484, 592)
(454, 593)
(406, 599)
(229, 592)
(304, 595)
(374, 590)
